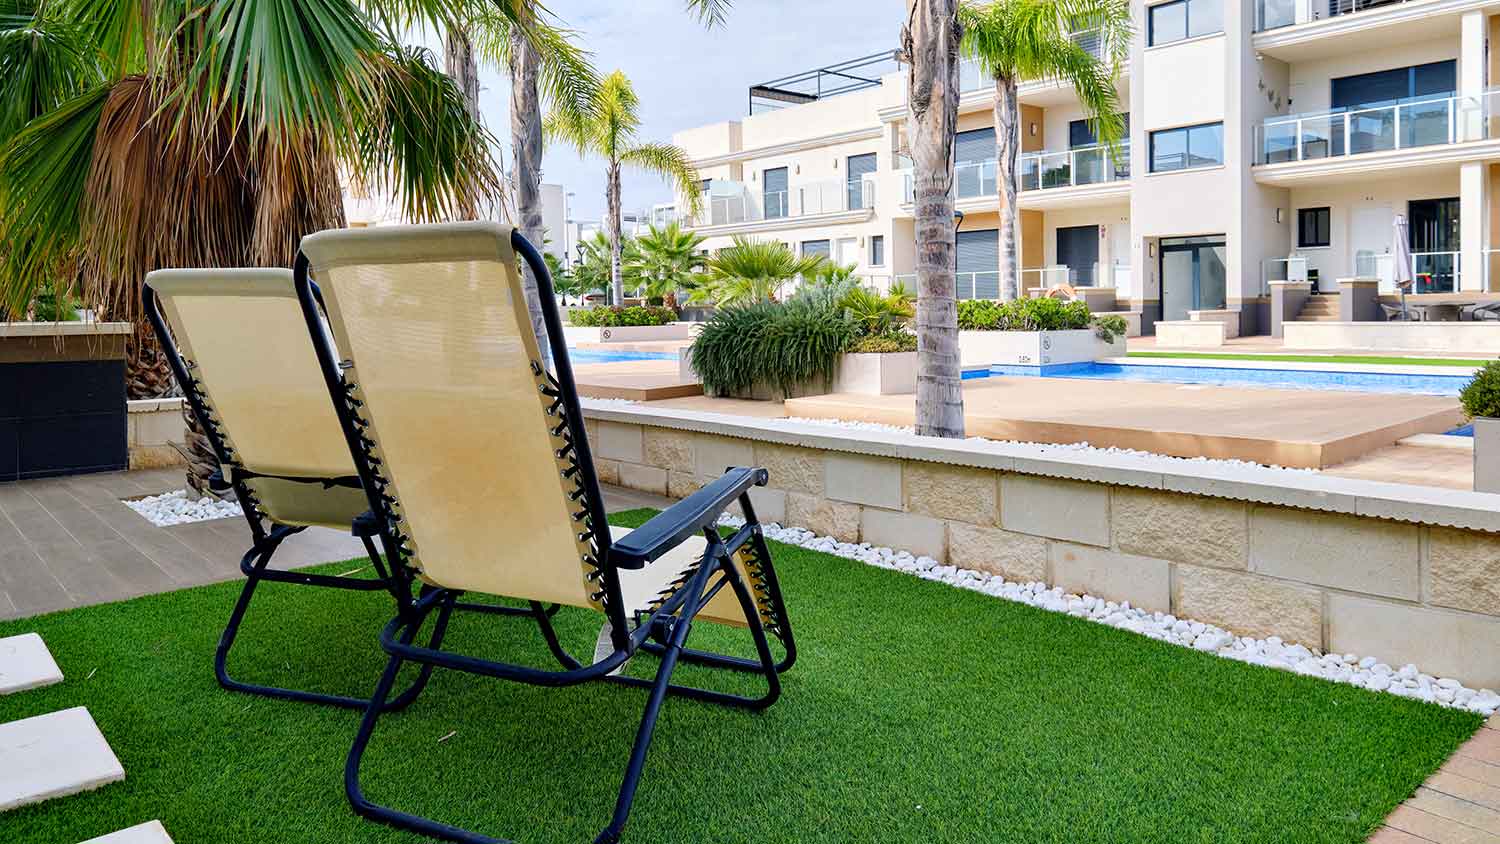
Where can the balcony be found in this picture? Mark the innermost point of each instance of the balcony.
(971, 180)
(1427, 124)
(1091, 165)
(1274, 14)
(972, 79)
(737, 204)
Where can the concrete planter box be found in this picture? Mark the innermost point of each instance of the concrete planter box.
(1191, 333)
(1457, 338)
(887, 374)
(1034, 348)
(154, 425)
(1486, 454)
(630, 333)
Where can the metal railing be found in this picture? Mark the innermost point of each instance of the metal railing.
(1089, 165)
(729, 203)
(985, 285)
(1407, 124)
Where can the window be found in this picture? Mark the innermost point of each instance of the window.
(816, 247)
(877, 251)
(856, 170)
(1312, 227)
(1187, 147)
(1081, 135)
(773, 183)
(1185, 19)
(1438, 79)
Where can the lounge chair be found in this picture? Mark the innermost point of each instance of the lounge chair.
(478, 467)
(236, 343)
(1482, 312)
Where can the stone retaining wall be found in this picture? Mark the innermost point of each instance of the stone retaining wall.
(1339, 565)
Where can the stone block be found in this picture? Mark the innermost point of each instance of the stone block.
(1143, 581)
(25, 663)
(1250, 605)
(1331, 549)
(53, 755)
(644, 478)
(921, 535)
(668, 449)
(1185, 528)
(1440, 642)
(823, 517)
(961, 493)
(681, 484)
(608, 471)
(1014, 556)
(1076, 511)
(1463, 570)
(791, 468)
(769, 504)
(150, 832)
(714, 454)
(618, 441)
(859, 479)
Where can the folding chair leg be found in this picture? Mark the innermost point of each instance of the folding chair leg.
(255, 572)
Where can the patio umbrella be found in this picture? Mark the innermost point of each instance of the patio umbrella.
(1401, 251)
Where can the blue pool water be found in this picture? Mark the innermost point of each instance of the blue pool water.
(1287, 379)
(596, 356)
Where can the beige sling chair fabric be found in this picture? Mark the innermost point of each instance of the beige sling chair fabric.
(444, 369)
(242, 334)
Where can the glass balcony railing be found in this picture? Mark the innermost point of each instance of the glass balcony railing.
(730, 203)
(1404, 124)
(1089, 165)
(971, 78)
(1274, 14)
(970, 179)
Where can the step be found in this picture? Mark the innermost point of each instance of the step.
(1317, 318)
(25, 663)
(54, 755)
(150, 832)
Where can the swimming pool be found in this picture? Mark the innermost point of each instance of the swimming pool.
(1223, 376)
(596, 356)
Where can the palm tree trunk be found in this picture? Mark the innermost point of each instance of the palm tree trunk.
(930, 41)
(526, 140)
(612, 230)
(461, 67)
(1008, 159)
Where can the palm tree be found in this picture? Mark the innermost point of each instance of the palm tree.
(211, 135)
(667, 261)
(609, 131)
(594, 267)
(750, 271)
(1033, 39)
(929, 43)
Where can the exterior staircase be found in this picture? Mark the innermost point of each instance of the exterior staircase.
(1323, 307)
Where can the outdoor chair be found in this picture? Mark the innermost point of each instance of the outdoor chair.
(478, 470)
(235, 341)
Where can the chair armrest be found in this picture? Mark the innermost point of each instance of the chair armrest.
(669, 528)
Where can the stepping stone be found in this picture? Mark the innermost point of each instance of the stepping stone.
(150, 832)
(53, 755)
(25, 663)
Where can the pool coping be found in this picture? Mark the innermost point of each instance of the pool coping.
(1295, 366)
(1264, 485)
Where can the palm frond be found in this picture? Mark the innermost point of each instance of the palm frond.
(711, 12)
(416, 140)
(42, 176)
(44, 61)
(672, 163)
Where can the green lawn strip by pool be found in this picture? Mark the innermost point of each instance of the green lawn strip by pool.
(1374, 360)
(916, 712)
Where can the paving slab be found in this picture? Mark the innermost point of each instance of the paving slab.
(150, 832)
(25, 663)
(54, 755)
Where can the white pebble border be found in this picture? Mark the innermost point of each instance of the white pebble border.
(180, 507)
(1064, 448)
(1367, 672)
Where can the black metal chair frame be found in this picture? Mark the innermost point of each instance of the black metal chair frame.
(267, 536)
(662, 631)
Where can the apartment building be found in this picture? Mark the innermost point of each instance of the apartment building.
(1269, 140)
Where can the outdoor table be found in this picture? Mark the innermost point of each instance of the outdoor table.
(1442, 311)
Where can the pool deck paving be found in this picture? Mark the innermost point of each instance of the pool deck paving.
(637, 380)
(1296, 428)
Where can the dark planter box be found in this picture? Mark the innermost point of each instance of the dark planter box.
(62, 399)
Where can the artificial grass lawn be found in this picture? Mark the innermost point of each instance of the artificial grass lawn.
(916, 712)
(1380, 360)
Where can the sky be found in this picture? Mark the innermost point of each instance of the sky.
(686, 76)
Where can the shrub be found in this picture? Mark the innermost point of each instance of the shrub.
(884, 344)
(1024, 315)
(1110, 328)
(1481, 396)
(770, 343)
(603, 317)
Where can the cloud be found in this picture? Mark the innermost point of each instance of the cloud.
(687, 76)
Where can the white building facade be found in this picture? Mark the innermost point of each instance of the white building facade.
(1269, 139)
